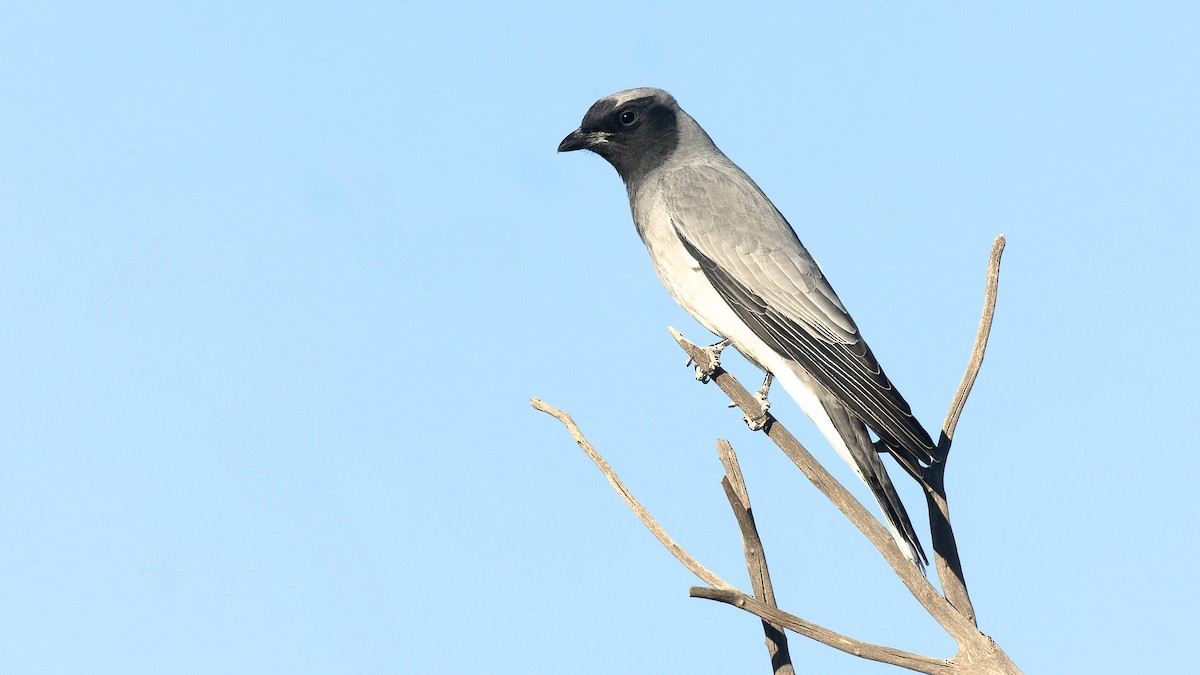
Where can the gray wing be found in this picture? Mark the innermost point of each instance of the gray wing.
(752, 256)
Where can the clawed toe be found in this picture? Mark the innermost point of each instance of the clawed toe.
(758, 421)
(714, 358)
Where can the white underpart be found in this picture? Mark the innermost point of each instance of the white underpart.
(684, 279)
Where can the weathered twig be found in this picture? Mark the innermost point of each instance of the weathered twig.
(980, 346)
(955, 613)
(917, 584)
(756, 558)
(977, 653)
(866, 650)
(801, 626)
(676, 550)
(945, 545)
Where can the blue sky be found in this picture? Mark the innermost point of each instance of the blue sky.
(278, 283)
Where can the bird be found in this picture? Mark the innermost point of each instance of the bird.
(734, 263)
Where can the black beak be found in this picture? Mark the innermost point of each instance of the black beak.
(576, 140)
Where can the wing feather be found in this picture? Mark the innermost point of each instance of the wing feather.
(751, 255)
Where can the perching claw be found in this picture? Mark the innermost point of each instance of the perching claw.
(760, 420)
(714, 356)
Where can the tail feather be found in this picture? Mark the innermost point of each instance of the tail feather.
(874, 474)
(848, 436)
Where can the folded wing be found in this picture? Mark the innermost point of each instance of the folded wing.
(750, 253)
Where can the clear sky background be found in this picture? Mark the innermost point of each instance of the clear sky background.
(277, 283)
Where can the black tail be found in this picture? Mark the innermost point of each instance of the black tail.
(854, 432)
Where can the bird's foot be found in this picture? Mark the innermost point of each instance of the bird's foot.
(762, 392)
(758, 421)
(714, 360)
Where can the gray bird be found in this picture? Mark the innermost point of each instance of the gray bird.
(728, 256)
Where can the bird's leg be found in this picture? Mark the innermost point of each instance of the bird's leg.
(762, 392)
(758, 421)
(714, 359)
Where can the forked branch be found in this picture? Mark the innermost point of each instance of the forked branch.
(933, 478)
(990, 291)
(918, 585)
(807, 628)
(651, 524)
(977, 653)
(896, 657)
(756, 558)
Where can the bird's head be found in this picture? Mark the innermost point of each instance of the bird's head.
(635, 130)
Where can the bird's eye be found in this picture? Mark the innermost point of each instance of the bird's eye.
(628, 117)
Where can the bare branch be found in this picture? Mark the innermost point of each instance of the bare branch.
(937, 606)
(756, 557)
(977, 654)
(945, 545)
(981, 340)
(676, 550)
(866, 650)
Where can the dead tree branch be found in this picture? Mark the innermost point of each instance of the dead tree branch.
(933, 478)
(801, 626)
(659, 533)
(981, 339)
(917, 584)
(977, 653)
(756, 558)
(866, 650)
(945, 546)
